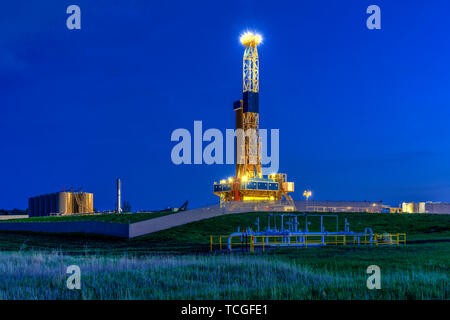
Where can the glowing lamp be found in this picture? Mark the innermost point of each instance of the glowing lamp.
(250, 39)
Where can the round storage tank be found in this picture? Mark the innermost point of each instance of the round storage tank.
(65, 204)
(84, 202)
(41, 206)
(88, 202)
(47, 205)
(36, 207)
(53, 203)
(30, 207)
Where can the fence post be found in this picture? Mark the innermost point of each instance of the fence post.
(263, 240)
(210, 243)
(252, 249)
(220, 243)
(345, 240)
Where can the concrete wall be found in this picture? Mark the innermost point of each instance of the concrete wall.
(172, 220)
(8, 217)
(95, 227)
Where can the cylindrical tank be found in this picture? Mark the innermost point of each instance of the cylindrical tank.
(70, 203)
(41, 206)
(77, 202)
(82, 202)
(77, 205)
(53, 203)
(36, 207)
(65, 203)
(30, 207)
(88, 202)
(47, 205)
(58, 202)
(37, 204)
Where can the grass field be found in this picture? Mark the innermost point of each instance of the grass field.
(416, 272)
(176, 264)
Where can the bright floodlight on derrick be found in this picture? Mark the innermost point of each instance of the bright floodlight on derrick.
(250, 39)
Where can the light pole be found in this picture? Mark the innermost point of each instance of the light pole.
(307, 194)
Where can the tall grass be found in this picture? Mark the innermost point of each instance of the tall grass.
(35, 275)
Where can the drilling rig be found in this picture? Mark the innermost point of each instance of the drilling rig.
(249, 184)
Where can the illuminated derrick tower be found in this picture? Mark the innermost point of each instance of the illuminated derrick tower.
(248, 155)
(249, 184)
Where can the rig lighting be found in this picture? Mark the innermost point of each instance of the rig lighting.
(250, 39)
(307, 194)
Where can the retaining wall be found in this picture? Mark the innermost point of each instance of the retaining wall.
(172, 220)
(95, 227)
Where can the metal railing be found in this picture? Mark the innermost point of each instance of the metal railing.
(249, 242)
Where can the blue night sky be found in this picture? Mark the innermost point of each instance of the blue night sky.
(363, 114)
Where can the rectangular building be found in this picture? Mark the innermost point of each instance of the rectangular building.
(339, 206)
(437, 207)
(413, 207)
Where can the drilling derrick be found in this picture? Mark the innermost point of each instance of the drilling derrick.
(247, 112)
(249, 184)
